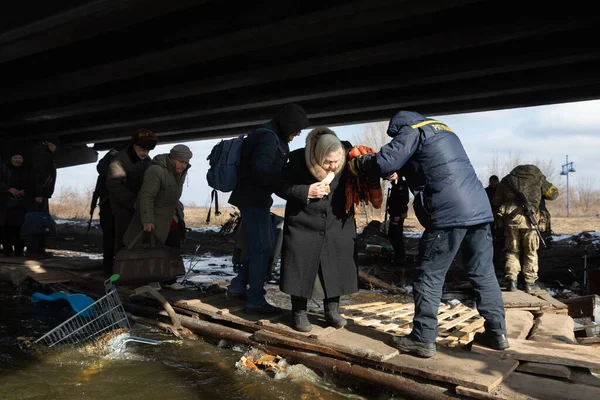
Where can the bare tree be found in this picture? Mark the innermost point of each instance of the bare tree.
(586, 195)
(373, 135)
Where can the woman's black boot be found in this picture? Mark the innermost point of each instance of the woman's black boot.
(300, 320)
(332, 314)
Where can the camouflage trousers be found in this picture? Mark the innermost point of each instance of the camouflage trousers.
(522, 242)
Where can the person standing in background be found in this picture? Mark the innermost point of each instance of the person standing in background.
(39, 189)
(12, 203)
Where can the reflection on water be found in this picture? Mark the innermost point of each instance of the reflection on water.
(173, 370)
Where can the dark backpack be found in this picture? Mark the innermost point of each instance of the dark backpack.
(224, 161)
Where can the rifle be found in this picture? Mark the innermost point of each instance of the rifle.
(527, 209)
(92, 208)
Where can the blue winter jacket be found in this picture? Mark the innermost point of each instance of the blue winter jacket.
(446, 189)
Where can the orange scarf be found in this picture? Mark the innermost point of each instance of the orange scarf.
(365, 190)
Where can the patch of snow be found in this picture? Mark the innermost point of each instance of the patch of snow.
(204, 229)
(59, 221)
(208, 268)
(558, 238)
(414, 235)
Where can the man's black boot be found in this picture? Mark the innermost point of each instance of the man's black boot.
(300, 320)
(512, 285)
(532, 288)
(406, 344)
(332, 314)
(496, 342)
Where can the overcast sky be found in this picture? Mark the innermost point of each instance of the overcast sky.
(546, 133)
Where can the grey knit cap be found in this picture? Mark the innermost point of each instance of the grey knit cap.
(181, 152)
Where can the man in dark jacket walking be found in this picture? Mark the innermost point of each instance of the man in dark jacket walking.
(107, 219)
(40, 188)
(124, 180)
(452, 205)
(264, 154)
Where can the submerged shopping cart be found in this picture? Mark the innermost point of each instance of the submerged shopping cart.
(103, 316)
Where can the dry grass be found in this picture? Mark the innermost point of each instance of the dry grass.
(70, 204)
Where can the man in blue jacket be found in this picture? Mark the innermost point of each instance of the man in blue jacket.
(452, 206)
(264, 154)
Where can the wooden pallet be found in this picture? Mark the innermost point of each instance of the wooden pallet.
(456, 325)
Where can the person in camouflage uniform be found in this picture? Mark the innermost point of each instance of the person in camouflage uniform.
(521, 237)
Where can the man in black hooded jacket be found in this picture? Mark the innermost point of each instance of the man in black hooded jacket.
(40, 188)
(264, 154)
(452, 205)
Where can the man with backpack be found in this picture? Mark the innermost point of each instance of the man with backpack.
(522, 190)
(263, 155)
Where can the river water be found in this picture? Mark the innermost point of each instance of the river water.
(173, 370)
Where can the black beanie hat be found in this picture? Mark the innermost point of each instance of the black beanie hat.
(16, 151)
(291, 119)
(51, 139)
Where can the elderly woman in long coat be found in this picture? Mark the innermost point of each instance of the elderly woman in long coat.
(318, 235)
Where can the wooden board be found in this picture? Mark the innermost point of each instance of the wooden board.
(457, 325)
(544, 295)
(558, 371)
(520, 299)
(456, 366)
(520, 386)
(46, 276)
(583, 376)
(551, 353)
(537, 387)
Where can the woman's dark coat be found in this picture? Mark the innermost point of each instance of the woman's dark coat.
(316, 232)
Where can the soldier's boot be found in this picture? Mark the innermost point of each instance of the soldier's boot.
(332, 313)
(407, 344)
(496, 342)
(512, 285)
(532, 288)
(300, 320)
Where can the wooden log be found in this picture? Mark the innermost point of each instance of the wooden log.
(399, 384)
(181, 332)
(476, 394)
(379, 283)
(267, 337)
(216, 331)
